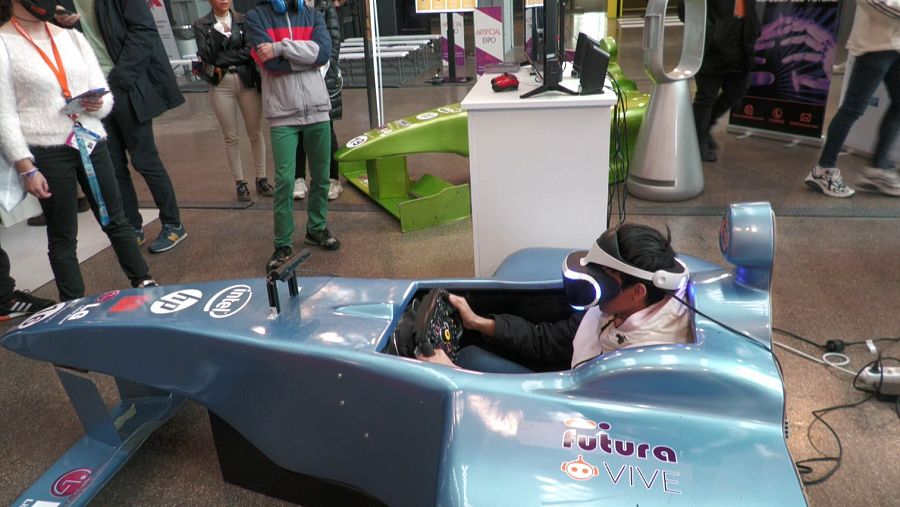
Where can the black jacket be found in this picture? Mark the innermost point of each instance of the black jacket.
(721, 36)
(214, 49)
(142, 72)
(542, 346)
(333, 80)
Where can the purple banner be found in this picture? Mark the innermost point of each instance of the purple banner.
(792, 66)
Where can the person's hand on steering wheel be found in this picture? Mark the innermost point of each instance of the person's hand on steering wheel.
(470, 319)
(439, 357)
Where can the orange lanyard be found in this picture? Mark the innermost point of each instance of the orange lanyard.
(59, 71)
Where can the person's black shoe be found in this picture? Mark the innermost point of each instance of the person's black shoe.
(712, 143)
(243, 193)
(263, 187)
(38, 221)
(279, 257)
(83, 204)
(22, 303)
(707, 154)
(323, 239)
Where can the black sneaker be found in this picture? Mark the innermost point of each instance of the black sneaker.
(243, 193)
(279, 257)
(139, 236)
(145, 284)
(707, 153)
(263, 187)
(323, 239)
(37, 221)
(22, 303)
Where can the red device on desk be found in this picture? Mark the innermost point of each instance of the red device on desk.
(505, 81)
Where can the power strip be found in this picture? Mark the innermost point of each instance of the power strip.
(887, 377)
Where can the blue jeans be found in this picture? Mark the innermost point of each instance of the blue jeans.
(476, 358)
(869, 70)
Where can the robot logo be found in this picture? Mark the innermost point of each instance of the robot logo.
(579, 469)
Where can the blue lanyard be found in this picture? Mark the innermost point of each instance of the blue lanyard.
(91, 175)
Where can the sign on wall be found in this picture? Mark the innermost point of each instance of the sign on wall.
(488, 25)
(164, 28)
(433, 6)
(459, 40)
(791, 71)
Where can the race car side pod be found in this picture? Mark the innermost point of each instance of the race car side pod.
(287, 272)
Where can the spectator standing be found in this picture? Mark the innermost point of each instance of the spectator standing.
(15, 303)
(334, 82)
(41, 68)
(875, 44)
(124, 37)
(223, 47)
(290, 44)
(732, 28)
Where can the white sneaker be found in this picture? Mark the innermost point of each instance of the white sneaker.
(828, 181)
(885, 181)
(334, 189)
(299, 188)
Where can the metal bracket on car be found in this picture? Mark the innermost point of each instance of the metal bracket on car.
(287, 272)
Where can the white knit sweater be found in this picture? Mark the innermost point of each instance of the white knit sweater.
(876, 27)
(31, 99)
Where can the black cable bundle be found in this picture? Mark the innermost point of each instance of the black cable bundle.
(619, 159)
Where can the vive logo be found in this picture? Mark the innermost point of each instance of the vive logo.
(228, 301)
(176, 301)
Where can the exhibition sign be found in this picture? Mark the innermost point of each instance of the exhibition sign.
(164, 28)
(435, 6)
(791, 71)
(459, 40)
(488, 25)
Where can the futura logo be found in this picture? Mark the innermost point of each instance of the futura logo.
(176, 301)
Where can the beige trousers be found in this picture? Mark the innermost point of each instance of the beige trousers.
(226, 99)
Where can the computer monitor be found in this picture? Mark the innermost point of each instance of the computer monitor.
(592, 65)
(550, 50)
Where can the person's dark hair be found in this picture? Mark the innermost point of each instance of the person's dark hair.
(646, 248)
(5, 10)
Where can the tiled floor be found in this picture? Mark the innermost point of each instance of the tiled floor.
(837, 276)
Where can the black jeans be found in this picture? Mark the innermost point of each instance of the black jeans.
(126, 133)
(709, 103)
(7, 283)
(300, 171)
(61, 166)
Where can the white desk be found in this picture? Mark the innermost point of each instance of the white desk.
(539, 169)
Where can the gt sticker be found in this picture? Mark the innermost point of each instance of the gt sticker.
(449, 110)
(70, 482)
(579, 469)
(356, 141)
(403, 123)
(228, 301)
(80, 313)
(129, 304)
(42, 315)
(176, 301)
(426, 116)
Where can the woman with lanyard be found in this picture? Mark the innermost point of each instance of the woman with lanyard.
(56, 142)
(233, 85)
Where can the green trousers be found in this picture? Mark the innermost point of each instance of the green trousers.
(317, 145)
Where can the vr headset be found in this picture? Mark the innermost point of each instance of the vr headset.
(587, 284)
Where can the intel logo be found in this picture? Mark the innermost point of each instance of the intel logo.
(228, 301)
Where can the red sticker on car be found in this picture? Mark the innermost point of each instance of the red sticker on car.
(129, 304)
(70, 482)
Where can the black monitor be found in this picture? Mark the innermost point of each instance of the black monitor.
(549, 50)
(590, 64)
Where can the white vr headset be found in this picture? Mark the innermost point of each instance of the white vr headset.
(587, 284)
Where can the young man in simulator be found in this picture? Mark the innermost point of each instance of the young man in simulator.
(624, 287)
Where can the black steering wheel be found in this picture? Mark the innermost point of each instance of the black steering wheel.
(437, 325)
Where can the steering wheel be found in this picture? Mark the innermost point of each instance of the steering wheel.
(437, 325)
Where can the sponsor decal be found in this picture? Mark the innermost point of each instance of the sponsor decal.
(724, 235)
(79, 313)
(385, 130)
(70, 482)
(176, 301)
(449, 110)
(356, 141)
(106, 297)
(228, 301)
(31, 502)
(580, 435)
(426, 115)
(42, 315)
(403, 123)
(129, 304)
